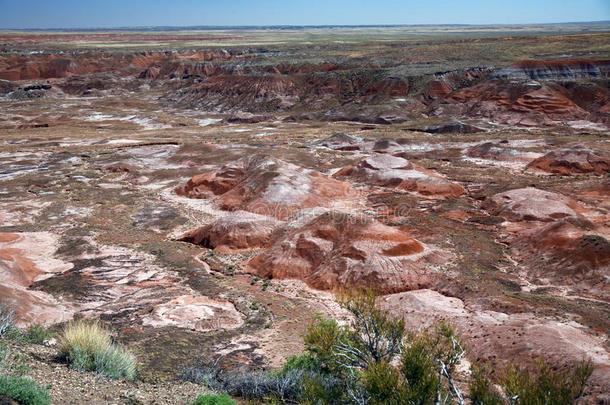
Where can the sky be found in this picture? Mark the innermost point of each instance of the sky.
(133, 13)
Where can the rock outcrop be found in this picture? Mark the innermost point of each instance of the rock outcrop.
(456, 127)
(198, 313)
(573, 161)
(571, 69)
(341, 142)
(335, 249)
(389, 171)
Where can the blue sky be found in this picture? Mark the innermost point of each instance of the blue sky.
(113, 13)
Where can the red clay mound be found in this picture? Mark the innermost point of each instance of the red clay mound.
(267, 186)
(336, 249)
(235, 232)
(564, 253)
(390, 171)
(531, 204)
(573, 161)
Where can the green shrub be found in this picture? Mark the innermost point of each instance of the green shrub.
(321, 337)
(482, 391)
(304, 362)
(214, 399)
(37, 334)
(545, 385)
(419, 369)
(24, 390)
(87, 346)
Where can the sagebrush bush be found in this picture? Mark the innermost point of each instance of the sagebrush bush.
(214, 399)
(6, 320)
(87, 346)
(24, 390)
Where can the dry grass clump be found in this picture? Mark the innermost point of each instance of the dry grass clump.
(87, 346)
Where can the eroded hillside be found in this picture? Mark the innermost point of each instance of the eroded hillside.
(207, 200)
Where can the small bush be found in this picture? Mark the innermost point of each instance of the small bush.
(88, 346)
(214, 399)
(37, 334)
(24, 390)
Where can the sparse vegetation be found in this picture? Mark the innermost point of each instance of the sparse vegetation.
(12, 363)
(87, 346)
(376, 361)
(37, 334)
(545, 384)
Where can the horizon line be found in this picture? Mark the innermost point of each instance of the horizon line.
(284, 26)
